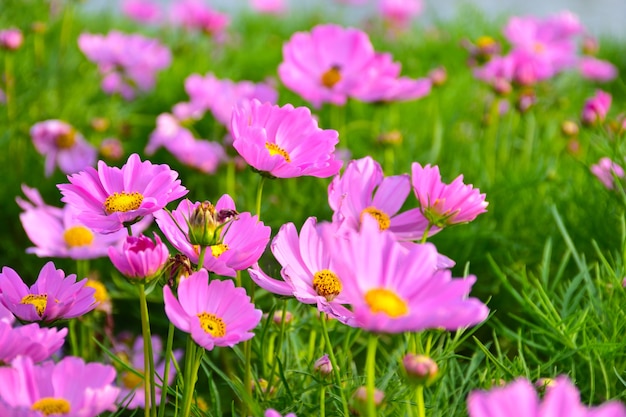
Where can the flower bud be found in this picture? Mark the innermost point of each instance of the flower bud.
(11, 39)
(179, 266)
(140, 259)
(323, 365)
(206, 223)
(393, 138)
(569, 128)
(438, 76)
(359, 400)
(420, 369)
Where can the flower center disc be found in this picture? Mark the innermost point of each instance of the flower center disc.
(277, 150)
(101, 295)
(381, 217)
(331, 77)
(39, 301)
(66, 140)
(212, 324)
(217, 250)
(78, 236)
(131, 380)
(50, 405)
(123, 202)
(327, 284)
(381, 300)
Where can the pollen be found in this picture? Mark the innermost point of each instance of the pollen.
(39, 301)
(76, 236)
(331, 77)
(50, 405)
(381, 217)
(217, 250)
(212, 324)
(66, 140)
(382, 300)
(327, 284)
(485, 42)
(123, 202)
(131, 380)
(539, 47)
(277, 150)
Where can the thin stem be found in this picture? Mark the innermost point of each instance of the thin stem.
(419, 400)
(425, 235)
(130, 230)
(281, 336)
(201, 258)
(259, 194)
(166, 372)
(150, 389)
(10, 85)
(323, 401)
(370, 374)
(193, 356)
(333, 362)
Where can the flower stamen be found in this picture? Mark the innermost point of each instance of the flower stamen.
(382, 300)
(78, 236)
(217, 250)
(212, 324)
(123, 202)
(381, 217)
(277, 150)
(39, 301)
(51, 405)
(331, 77)
(327, 284)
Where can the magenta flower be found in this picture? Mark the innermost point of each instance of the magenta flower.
(56, 233)
(140, 258)
(326, 64)
(596, 108)
(395, 287)
(363, 190)
(62, 146)
(11, 39)
(269, 6)
(283, 142)
(307, 270)
(596, 69)
(142, 11)
(520, 399)
(70, 388)
(52, 297)
(239, 238)
(29, 340)
(215, 314)
(445, 204)
(399, 13)
(109, 198)
(606, 171)
(196, 15)
(270, 412)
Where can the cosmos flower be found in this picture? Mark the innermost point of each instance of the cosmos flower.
(326, 64)
(363, 190)
(269, 6)
(197, 15)
(270, 412)
(215, 314)
(394, 287)
(109, 198)
(140, 258)
(596, 108)
(445, 204)
(38, 343)
(520, 399)
(52, 297)
(596, 69)
(70, 387)
(283, 142)
(11, 39)
(606, 170)
(237, 240)
(62, 146)
(142, 11)
(399, 13)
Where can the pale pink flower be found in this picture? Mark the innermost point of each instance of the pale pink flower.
(597, 69)
(399, 13)
(197, 15)
(269, 6)
(270, 412)
(38, 343)
(596, 108)
(142, 11)
(606, 171)
(140, 258)
(111, 148)
(11, 39)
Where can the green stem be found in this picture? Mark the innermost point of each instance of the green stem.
(259, 194)
(419, 400)
(281, 336)
(370, 374)
(323, 401)
(425, 235)
(333, 362)
(150, 389)
(193, 357)
(10, 85)
(130, 230)
(166, 372)
(73, 339)
(201, 258)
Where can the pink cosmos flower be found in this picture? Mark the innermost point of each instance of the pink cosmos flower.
(142, 11)
(445, 204)
(56, 232)
(140, 258)
(62, 145)
(363, 190)
(596, 108)
(70, 387)
(11, 39)
(326, 64)
(394, 287)
(606, 171)
(132, 394)
(238, 242)
(399, 13)
(29, 340)
(52, 297)
(520, 399)
(596, 69)
(269, 6)
(109, 198)
(270, 412)
(111, 148)
(215, 314)
(307, 270)
(196, 15)
(283, 142)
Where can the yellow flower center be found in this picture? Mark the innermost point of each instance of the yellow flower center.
(381, 300)
(39, 301)
(217, 250)
(131, 380)
(66, 140)
(50, 405)
(326, 283)
(123, 202)
(539, 48)
(101, 295)
(277, 150)
(381, 217)
(78, 236)
(331, 77)
(485, 42)
(212, 324)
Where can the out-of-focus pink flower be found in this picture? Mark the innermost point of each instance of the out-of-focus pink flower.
(445, 204)
(323, 365)
(214, 314)
(110, 198)
(606, 170)
(597, 69)
(399, 13)
(70, 387)
(29, 340)
(11, 39)
(197, 15)
(111, 148)
(270, 412)
(596, 108)
(140, 258)
(52, 297)
(283, 142)
(520, 399)
(142, 11)
(62, 146)
(326, 64)
(269, 6)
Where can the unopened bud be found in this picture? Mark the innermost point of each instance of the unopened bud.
(205, 224)
(179, 266)
(359, 400)
(323, 365)
(438, 76)
(420, 369)
(393, 137)
(569, 128)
